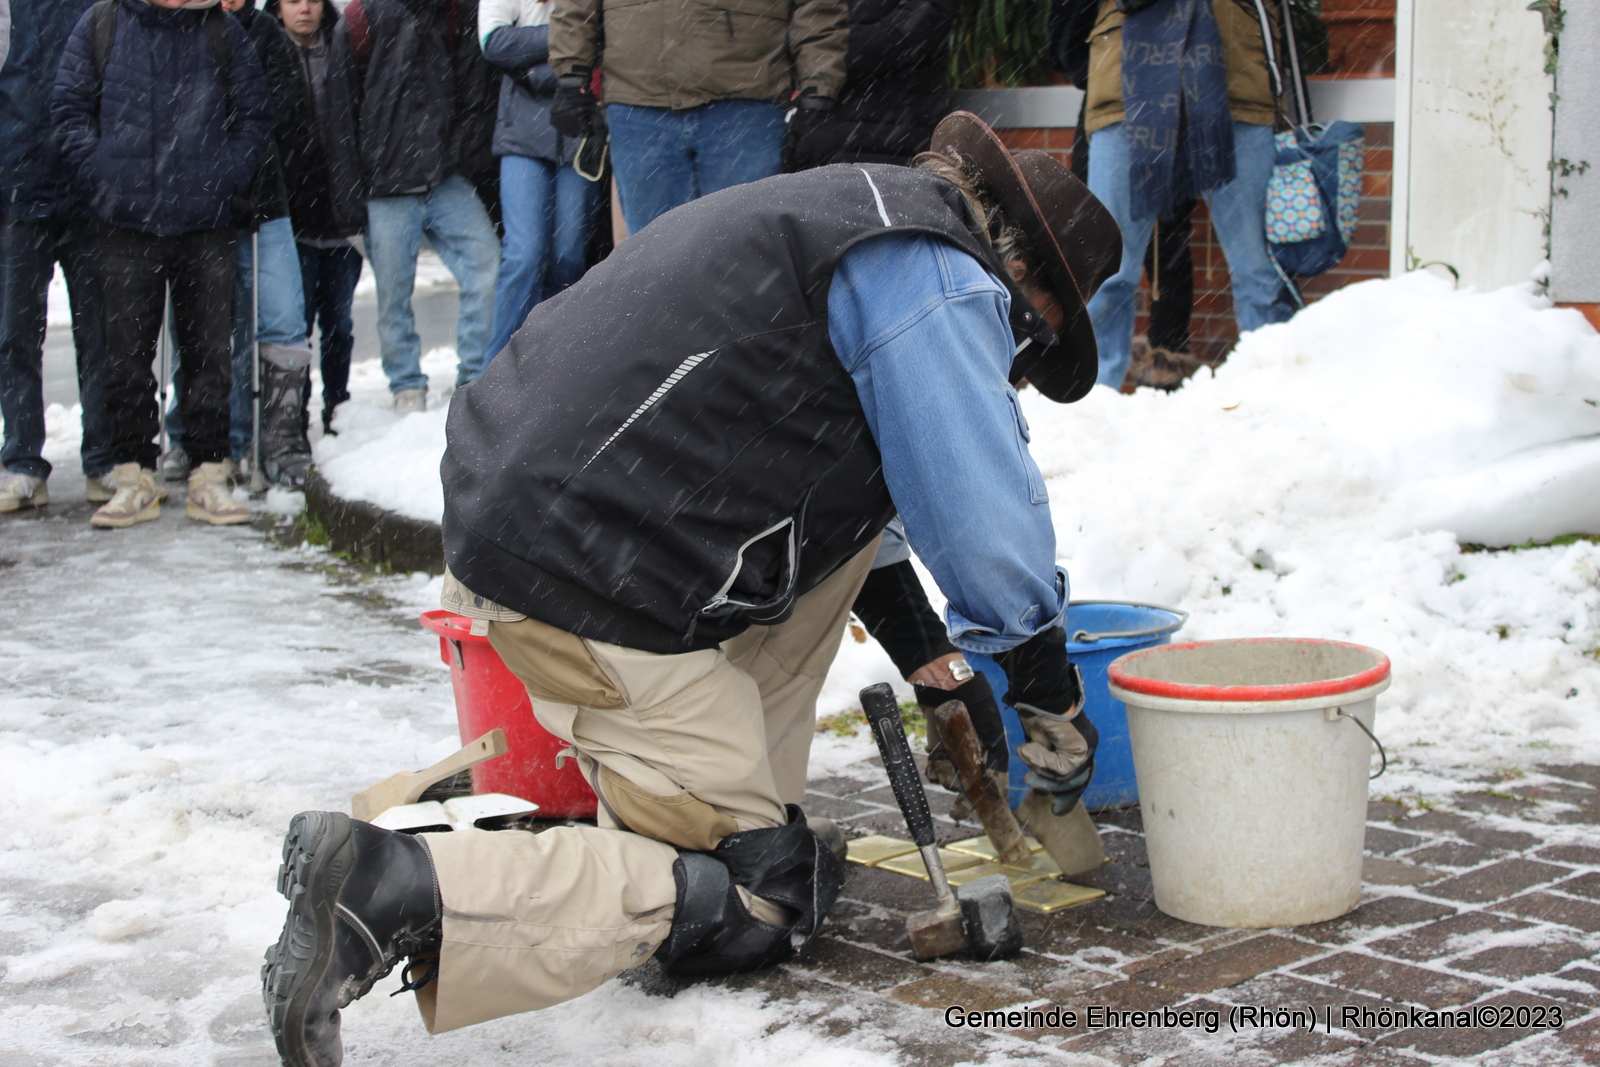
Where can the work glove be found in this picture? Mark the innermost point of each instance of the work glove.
(1047, 692)
(573, 110)
(805, 114)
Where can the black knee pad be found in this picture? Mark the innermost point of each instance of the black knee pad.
(712, 930)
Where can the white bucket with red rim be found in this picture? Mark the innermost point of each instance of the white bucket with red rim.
(1252, 758)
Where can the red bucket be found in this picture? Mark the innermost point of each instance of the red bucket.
(489, 695)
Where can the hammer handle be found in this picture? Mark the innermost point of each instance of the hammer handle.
(954, 724)
(883, 715)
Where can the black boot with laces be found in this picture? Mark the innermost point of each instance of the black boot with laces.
(361, 899)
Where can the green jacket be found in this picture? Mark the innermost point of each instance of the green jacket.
(684, 53)
(1244, 56)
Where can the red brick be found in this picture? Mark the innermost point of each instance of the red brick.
(1371, 235)
(1376, 184)
(1376, 259)
(1229, 965)
(1378, 161)
(1397, 983)
(1016, 140)
(1380, 134)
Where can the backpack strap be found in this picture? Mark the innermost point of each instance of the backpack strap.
(103, 32)
(216, 21)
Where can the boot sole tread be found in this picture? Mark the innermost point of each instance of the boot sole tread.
(317, 858)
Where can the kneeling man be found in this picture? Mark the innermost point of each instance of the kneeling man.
(661, 500)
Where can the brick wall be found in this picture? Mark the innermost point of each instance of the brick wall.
(1213, 329)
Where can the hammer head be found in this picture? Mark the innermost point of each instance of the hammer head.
(939, 932)
(981, 919)
(989, 917)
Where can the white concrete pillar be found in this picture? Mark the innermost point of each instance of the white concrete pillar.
(1575, 178)
(1472, 139)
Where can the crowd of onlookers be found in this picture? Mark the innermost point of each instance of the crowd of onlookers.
(220, 174)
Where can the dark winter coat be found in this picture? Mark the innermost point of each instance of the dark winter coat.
(304, 145)
(34, 185)
(522, 127)
(289, 105)
(410, 100)
(898, 65)
(670, 451)
(1068, 49)
(161, 152)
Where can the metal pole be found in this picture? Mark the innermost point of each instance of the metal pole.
(1292, 46)
(258, 481)
(164, 358)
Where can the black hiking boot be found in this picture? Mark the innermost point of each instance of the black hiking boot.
(361, 898)
(285, 382)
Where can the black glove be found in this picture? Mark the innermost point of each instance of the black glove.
(573, 110)
(1047, 692)
(976, 694)
(808, 113)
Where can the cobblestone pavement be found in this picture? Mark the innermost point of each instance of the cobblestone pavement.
(1494, 903)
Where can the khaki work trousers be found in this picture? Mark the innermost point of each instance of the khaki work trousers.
(682, 750)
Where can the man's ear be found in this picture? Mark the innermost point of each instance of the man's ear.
(1018, 270)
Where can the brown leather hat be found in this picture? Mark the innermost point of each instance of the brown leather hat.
(1071, 233)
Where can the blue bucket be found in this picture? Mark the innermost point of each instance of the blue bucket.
(1098, 631)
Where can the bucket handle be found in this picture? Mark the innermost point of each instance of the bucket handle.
(1340, 713)
(1084, 637)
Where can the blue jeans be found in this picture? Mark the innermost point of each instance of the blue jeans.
(29, 251)
(330, 276)
(459, 229)
(548, 211)
(1237, 215)
(281, 318)
(664, 158)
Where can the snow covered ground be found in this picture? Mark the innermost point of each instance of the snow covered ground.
(1320, 484)
(170, 695)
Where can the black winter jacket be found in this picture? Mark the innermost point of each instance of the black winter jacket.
(34, 184)
(304, 145)
(162, 145)
(410, 100)
(670, 451)
(289, 105)
(898, 66)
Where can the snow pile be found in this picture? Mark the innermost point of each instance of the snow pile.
(387, 459)
(1319, 484)
(1287, 494)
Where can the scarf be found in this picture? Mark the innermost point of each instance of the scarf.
(1175, 103)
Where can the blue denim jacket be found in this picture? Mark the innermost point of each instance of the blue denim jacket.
(922, 328)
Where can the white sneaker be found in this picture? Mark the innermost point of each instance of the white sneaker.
(410, 401)
(137, 499)
(99, 490)
(18, 491)
(211, 496)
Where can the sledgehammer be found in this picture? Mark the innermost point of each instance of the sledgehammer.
(980, 917)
